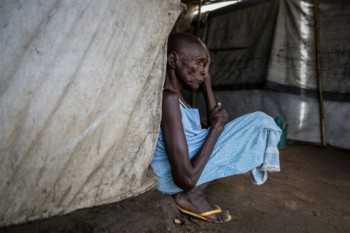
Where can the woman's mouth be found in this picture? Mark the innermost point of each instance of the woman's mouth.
(195, 84)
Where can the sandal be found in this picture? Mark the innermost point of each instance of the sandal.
(204, 215)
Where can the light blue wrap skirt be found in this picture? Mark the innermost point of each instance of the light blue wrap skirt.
(247, 143)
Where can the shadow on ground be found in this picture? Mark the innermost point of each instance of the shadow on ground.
(311, 194)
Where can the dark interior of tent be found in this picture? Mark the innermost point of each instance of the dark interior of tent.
(287, 58)
(275, 57)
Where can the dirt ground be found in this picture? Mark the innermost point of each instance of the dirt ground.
(311, 194)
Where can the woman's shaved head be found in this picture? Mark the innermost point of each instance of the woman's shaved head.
(180, 42)
(188, 58)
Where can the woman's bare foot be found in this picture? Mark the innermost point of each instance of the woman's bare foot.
(196, 201)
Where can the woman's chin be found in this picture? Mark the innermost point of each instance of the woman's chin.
(191, 87)
(194, 86)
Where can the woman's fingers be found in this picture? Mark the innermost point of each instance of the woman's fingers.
(220, 115)
(216, 109)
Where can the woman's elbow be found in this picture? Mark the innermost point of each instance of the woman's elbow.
(185, 183)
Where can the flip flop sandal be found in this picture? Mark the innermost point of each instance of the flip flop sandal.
(205, 215)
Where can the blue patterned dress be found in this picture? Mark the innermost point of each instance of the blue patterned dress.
(247, 143)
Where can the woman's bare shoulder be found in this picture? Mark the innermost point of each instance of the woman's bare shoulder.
(170, 99)
(171, 115)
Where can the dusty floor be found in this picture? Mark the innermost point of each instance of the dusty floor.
(311, 194)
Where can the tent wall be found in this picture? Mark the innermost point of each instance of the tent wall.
(264, 59)
(80, 94)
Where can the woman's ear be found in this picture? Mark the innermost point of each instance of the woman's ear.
(172, 60)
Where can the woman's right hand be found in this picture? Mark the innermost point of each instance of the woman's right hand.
(218, 117)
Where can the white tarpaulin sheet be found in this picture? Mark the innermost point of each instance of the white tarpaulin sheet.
(80, 94)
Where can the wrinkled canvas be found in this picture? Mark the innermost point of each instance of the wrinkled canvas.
(80, 95)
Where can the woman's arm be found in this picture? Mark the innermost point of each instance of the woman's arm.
(208, 94)
(185, 172)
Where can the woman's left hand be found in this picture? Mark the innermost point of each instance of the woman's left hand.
(218, 116)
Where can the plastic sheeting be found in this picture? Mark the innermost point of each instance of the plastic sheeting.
(240, 42)
(264, 59)
(80, 94)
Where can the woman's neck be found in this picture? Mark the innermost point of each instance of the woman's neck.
(172, 83)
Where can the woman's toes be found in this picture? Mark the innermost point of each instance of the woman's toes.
(221, 218)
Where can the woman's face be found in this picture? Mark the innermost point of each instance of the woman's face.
(192, 66)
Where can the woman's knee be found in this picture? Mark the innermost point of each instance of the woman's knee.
(260, 114)
(262, 118)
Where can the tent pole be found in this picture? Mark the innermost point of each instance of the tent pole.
(199, 17)
(316, 4)
(194, 93)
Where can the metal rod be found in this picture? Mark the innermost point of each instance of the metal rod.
(317, 71)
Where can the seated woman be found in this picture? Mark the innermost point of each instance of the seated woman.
(187, 156)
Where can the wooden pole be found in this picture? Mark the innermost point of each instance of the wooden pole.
(199, 17)
(316, 4)
(194, 93)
